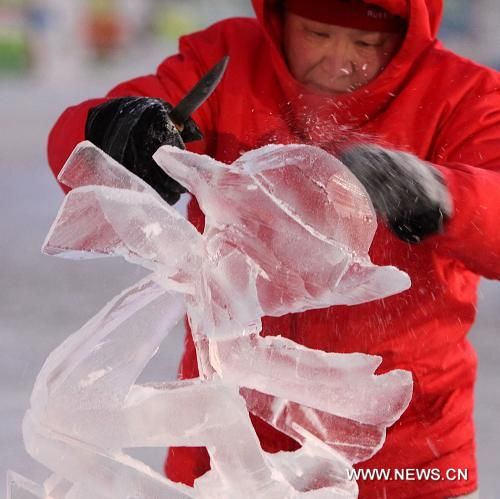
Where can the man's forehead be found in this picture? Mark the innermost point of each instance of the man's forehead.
(331, 28)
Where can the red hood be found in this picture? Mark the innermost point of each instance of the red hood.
(424, 17)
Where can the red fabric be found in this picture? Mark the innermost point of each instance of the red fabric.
(428, 101)
(348, 13)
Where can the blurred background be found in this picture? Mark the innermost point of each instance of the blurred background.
(54, 53)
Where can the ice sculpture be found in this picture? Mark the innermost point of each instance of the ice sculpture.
(288, 229)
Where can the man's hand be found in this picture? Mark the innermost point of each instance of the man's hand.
(131, 129)
(408, 193)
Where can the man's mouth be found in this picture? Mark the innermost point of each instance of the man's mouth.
(318, 87)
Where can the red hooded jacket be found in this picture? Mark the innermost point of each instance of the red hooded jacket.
(429, 101)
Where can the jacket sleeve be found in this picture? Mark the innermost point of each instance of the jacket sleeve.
(468, 155)
(173, 79)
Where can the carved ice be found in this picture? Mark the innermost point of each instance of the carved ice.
(288, 229)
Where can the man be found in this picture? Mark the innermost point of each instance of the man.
(341, 74)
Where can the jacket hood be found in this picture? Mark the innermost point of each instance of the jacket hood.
(423, 18)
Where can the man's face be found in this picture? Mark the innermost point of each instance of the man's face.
(333, 59)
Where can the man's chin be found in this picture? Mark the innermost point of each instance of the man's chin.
(326, 90)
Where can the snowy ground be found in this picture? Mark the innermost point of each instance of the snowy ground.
(44, 299)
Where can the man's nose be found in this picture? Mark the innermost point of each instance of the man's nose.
(337, 59)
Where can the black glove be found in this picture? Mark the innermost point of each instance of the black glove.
(408, 193)
(131, 129)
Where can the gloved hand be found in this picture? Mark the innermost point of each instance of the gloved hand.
(409, 194)
(131, 129)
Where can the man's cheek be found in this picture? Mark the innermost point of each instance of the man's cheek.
(368, 68)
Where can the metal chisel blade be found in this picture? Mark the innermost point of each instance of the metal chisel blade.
(199, 93)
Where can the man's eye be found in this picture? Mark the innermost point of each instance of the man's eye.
(319, 34)
(362, 43)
